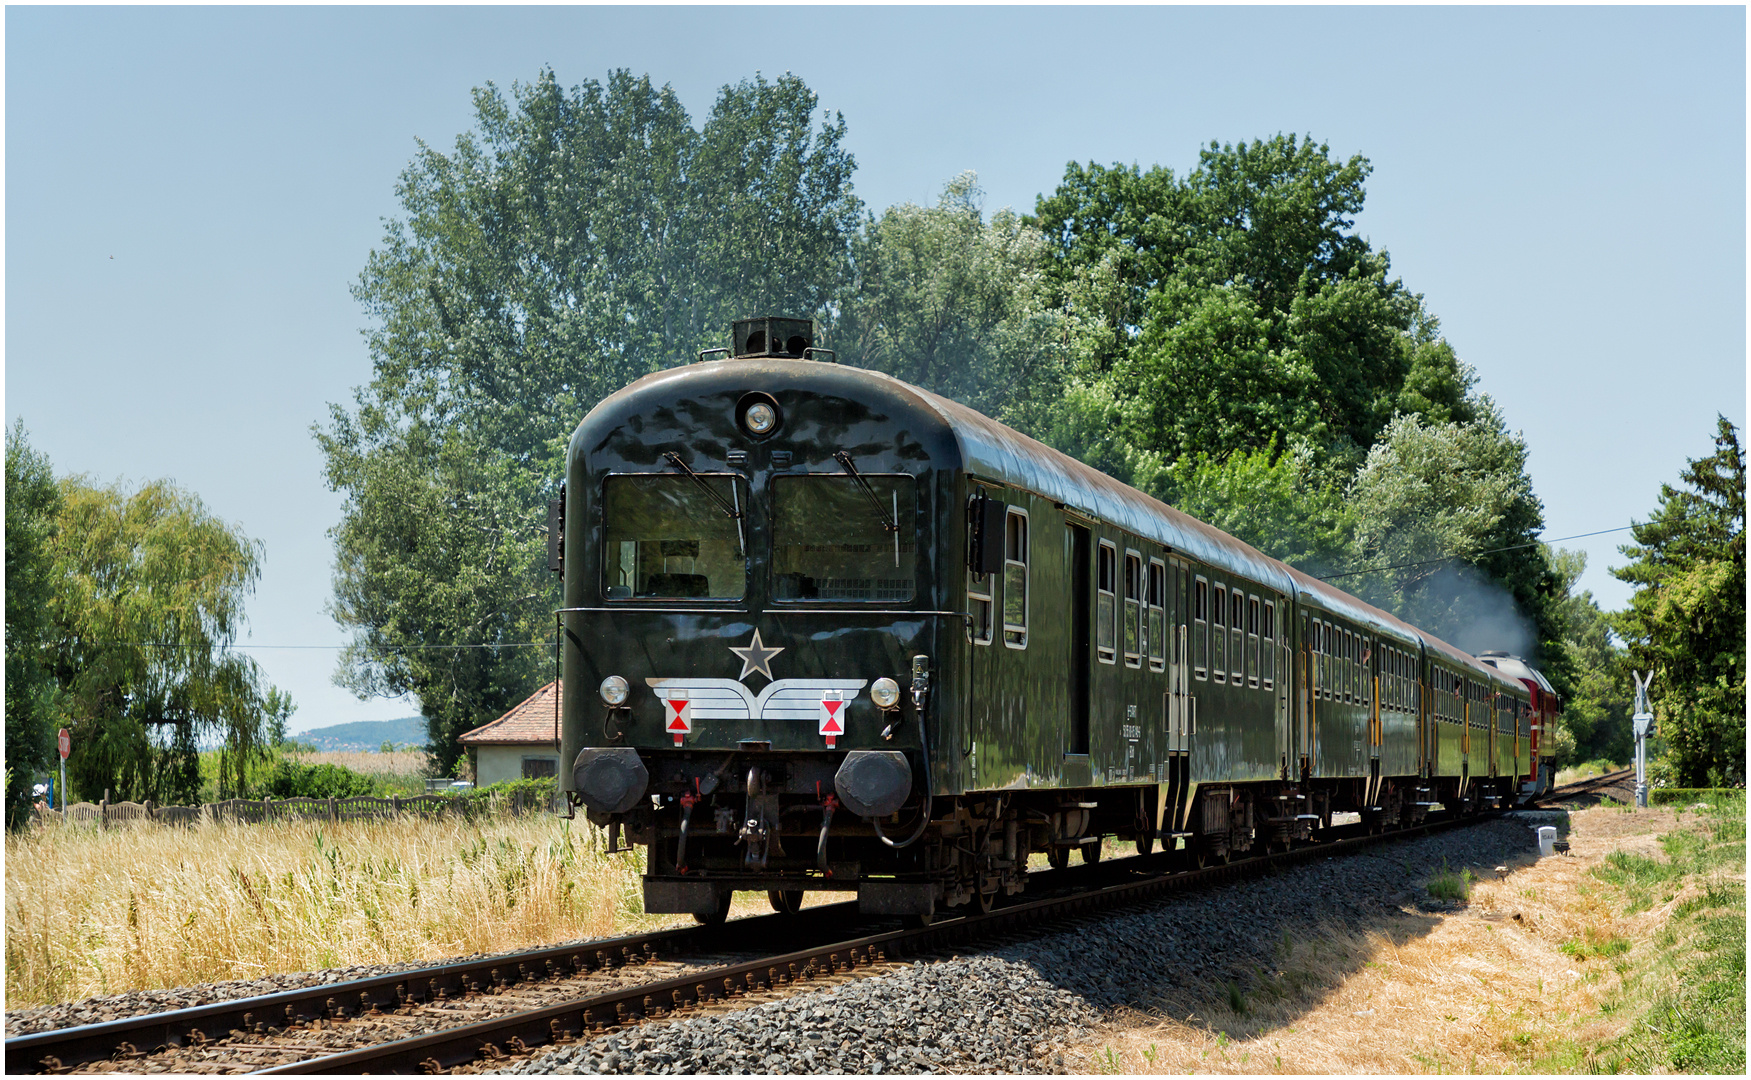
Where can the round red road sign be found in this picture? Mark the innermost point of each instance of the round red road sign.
(66, 743)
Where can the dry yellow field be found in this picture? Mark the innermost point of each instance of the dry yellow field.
(410, 763)
(93, 912)
(1481, 992)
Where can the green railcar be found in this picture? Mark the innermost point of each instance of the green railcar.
(824, 630)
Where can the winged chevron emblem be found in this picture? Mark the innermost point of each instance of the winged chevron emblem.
(728, 699)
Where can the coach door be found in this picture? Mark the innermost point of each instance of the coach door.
(1179, 706)
(1280, 640)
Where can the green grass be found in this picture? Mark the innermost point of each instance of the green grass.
(1448, 885)
(1686, 990)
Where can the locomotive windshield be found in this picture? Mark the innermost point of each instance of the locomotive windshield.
(830, 543)
(666, 538)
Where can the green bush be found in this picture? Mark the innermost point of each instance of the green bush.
(1684, 796)
(291, 780)
(534, 794)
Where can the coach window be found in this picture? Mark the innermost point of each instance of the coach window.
(1328, 674)
(1237, 636)
(1133, 609)
(1367, 670)
(1201, 629)
(1219, 632)
(1349, 647)
(1015, 579)
(831, 538)
(1106, 612)
(979, 600)
(666, 536)
(1157, 615)
(1268, 632)
(1252, 641)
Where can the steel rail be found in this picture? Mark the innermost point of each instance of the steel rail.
(68, 1047)
(1590, 784)
(565, 1022)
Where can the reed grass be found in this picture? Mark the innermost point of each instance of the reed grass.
(91, 912)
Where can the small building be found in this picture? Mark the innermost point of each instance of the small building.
(522, 744)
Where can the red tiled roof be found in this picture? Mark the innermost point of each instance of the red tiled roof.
(530, 722)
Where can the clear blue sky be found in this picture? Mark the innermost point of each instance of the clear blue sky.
(190, 192)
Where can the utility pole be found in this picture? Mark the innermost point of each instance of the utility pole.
(1643, 725)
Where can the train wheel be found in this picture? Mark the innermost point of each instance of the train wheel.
(1058, 857)
(787, 902)
(1145, 843)
(920, 921)
(1091, 852)
(985, 901)
(712, 918)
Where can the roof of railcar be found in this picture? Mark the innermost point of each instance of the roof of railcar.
(993, 451)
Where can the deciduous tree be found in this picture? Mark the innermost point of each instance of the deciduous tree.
(1447, 512)
(569, 243)
(33, 505)
(150, 589)
(951, 302)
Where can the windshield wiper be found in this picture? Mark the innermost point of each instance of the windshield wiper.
(734, 512)
(888, 523)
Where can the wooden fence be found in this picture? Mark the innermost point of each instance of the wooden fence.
(256, 811)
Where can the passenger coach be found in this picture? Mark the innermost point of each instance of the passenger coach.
(826, 630)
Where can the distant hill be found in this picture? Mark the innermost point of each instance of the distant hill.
(366, 734)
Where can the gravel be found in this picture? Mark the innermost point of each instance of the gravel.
(1014, 1009)
(975, 1014)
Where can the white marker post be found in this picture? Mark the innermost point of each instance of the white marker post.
(1643, 725)
(66, 747)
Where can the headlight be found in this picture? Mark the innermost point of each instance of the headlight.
(885, 692)
(614, 690)
(760, 418)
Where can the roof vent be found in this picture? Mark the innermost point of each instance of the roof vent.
(791, 339)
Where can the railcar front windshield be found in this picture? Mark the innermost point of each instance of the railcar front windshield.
(666, 538)
(831, 541)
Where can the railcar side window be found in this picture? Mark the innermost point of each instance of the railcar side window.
(1106, 612)
(1237, 636)
(979, 606)
(1157, 615)
(1219, 632)
(1252, 641)
(1015, 579)
(1133, 609)
(1348, 644)
(1268, 660)
(1201, 628)
(665, 538)
(830, 540)
(1327, 663)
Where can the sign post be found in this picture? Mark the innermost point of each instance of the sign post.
(1642, 723)
(66, 747)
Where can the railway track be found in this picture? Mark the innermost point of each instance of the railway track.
(1611, 784)
(477, 1015)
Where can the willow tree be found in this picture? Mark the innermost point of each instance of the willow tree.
(148, 602)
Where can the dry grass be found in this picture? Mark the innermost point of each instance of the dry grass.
(90, 912)
(368, 762)
(1476, 991)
